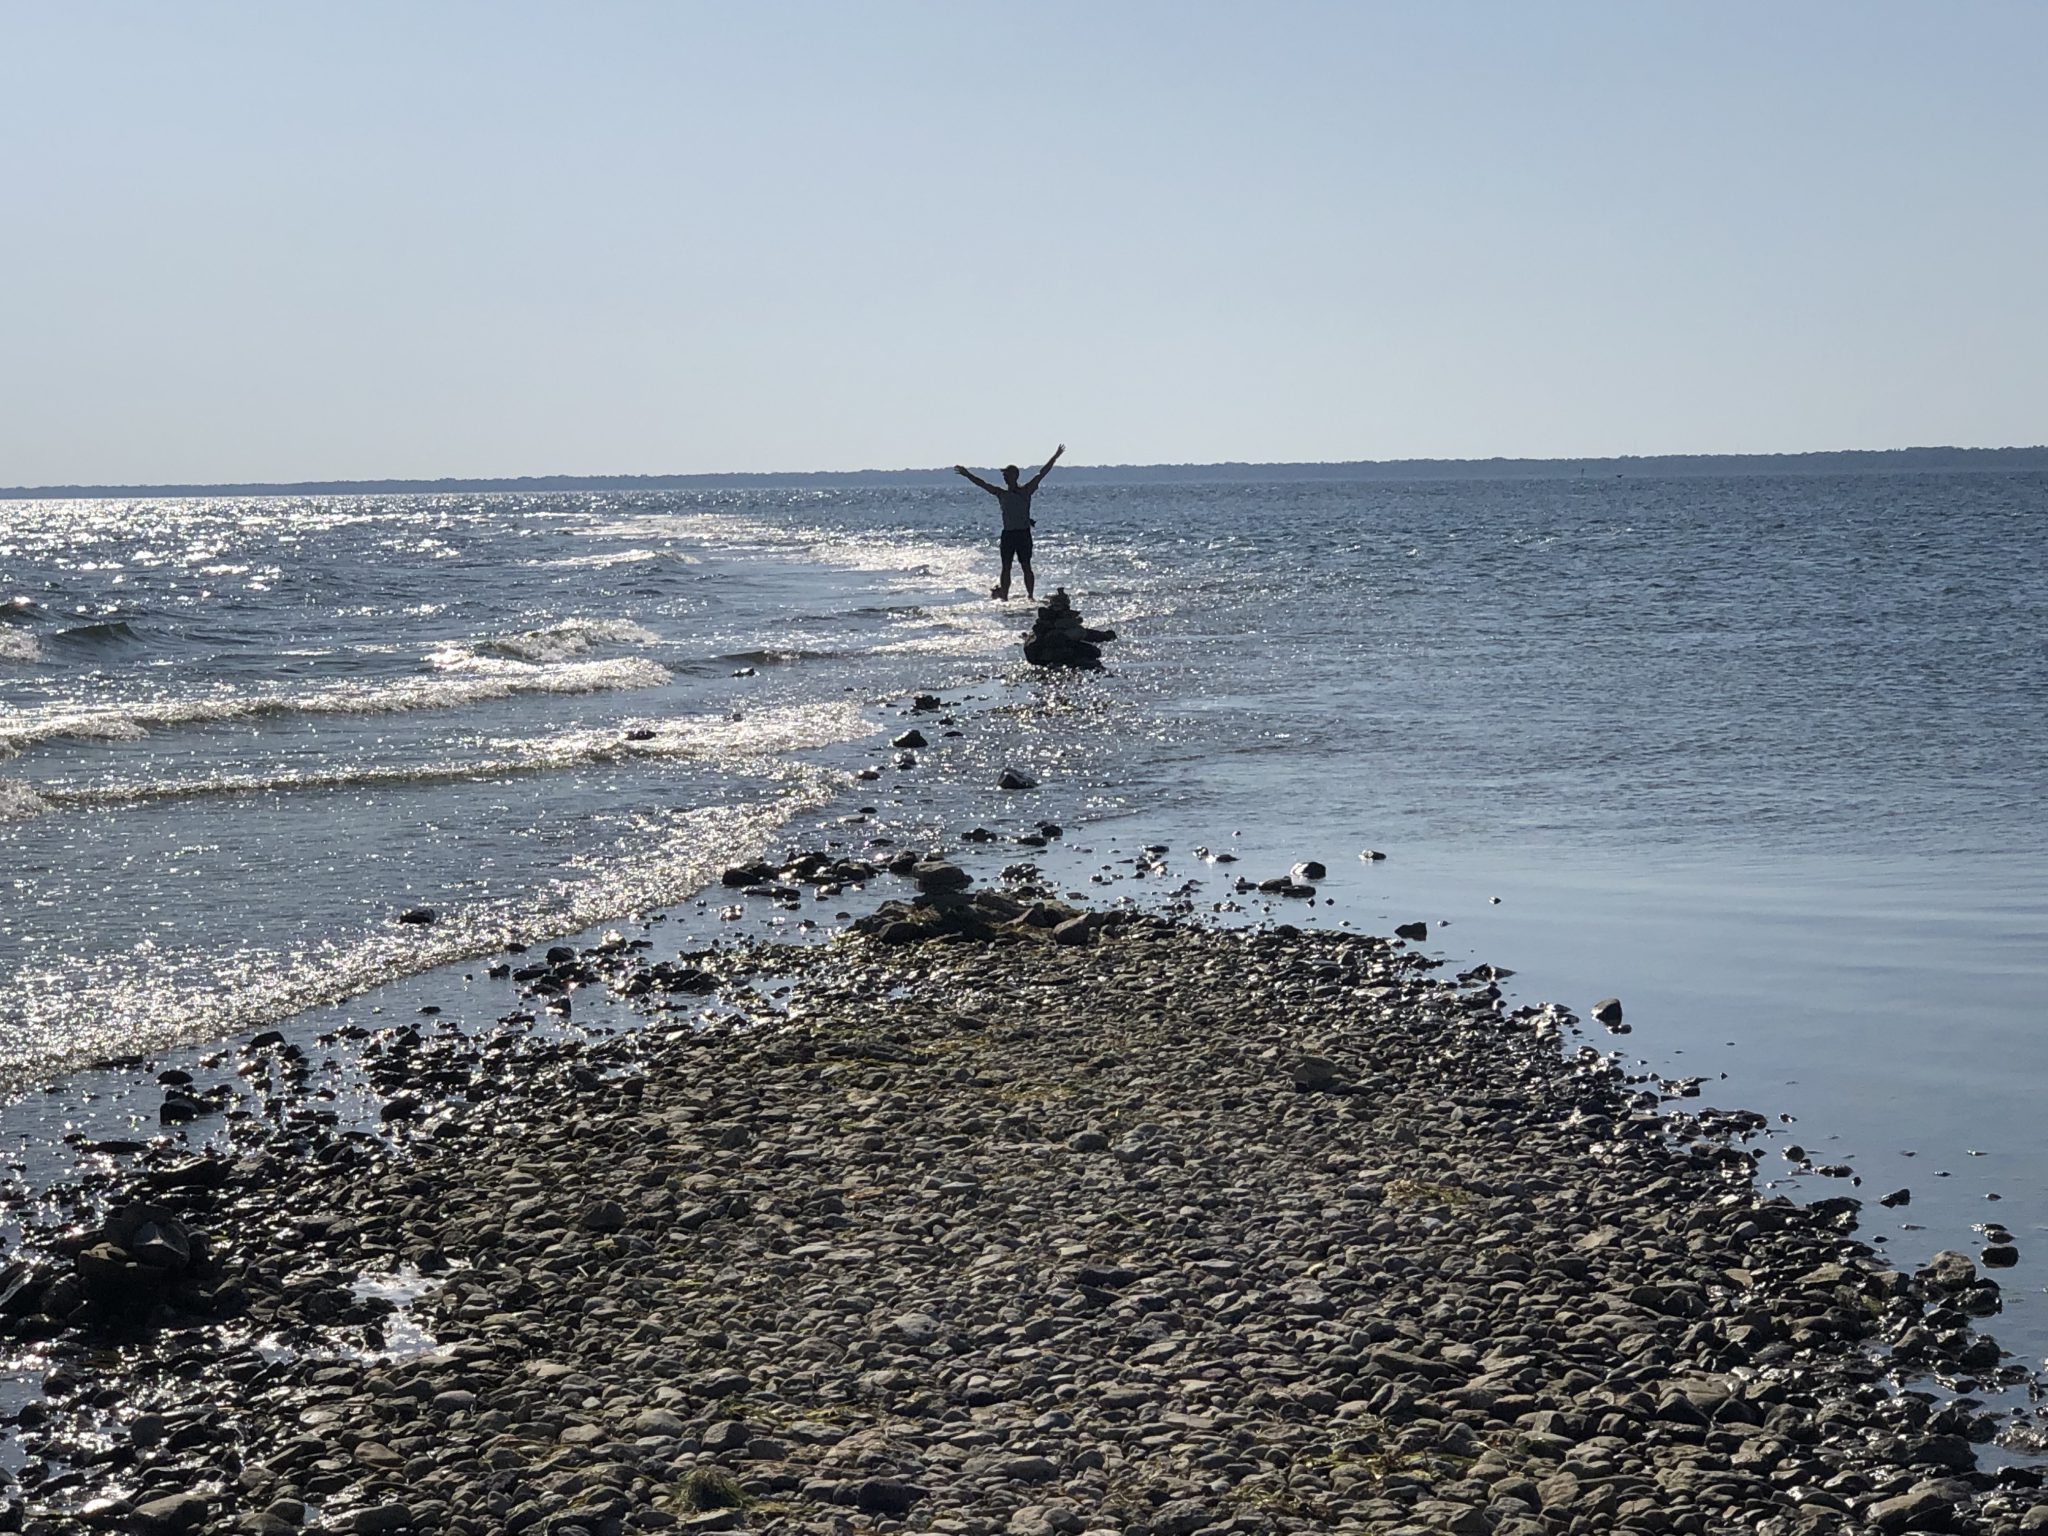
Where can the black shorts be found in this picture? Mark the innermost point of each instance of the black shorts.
(1017, 542)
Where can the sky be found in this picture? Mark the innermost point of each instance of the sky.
(242, 240)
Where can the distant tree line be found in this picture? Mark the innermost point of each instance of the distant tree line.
(1855, 461)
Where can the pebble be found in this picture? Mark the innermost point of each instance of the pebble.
(1161, 1230)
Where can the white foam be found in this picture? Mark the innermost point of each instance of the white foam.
(500, 679)
(564, 641)
(19, 801)
(665, 856)
(740, 740)
(615, 557)
(19, 645)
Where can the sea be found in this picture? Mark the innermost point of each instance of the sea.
(1765, 757)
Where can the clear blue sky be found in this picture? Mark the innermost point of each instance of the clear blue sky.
(275, 240)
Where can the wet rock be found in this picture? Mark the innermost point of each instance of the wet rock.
(1608, 1011)
(1413, 932)
(939, 875)
(909, 740)
(1058, 638)
(170, 1515)
(419, 917)
(1924, 1507)
(1015, 778)
(988, 1234)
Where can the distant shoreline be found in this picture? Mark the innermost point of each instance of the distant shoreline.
(1836, 462)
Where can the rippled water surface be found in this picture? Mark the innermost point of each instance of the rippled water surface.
(1766, 756)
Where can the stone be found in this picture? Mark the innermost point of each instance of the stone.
(916, 1327)
(1309, 869)
(1921, 1508)
(1608, 1010)
(885, 1496)
(1314, 1074)
(1058, 638)
(419, 917)
(1015, 778)
(1947, 1271)
(726, 1435)
(1180, 1517)
(1411, 931)
(112, 1277)
(940, 875)
(909, 740)
(162, 1243)
(170, 1514)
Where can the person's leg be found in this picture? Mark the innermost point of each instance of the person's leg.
(1010, 552)
(1023, 559)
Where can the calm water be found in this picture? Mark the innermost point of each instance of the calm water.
(1766, 757)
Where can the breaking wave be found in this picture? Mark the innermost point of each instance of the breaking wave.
(565, 641)
(772, 658)
(728, 738)
(69, 1016)
(18, 801)
(502, 680)
(19, 645)
(618, 557)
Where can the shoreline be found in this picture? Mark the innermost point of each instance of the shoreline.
(1339, 1142)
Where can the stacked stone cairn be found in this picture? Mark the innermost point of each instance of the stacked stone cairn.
(1058, 638)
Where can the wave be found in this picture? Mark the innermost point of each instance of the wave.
(19, 645)
(19, 610)
(20, 801)
(561, 642)
(500, 681)
(57, 1018)
(772, 658)
(102, 632)
(617, 557)
(729, 738)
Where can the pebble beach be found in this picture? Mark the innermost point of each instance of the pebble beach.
(991, 1215)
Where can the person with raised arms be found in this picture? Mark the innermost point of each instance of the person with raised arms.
(1015, 500)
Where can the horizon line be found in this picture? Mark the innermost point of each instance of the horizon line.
(1332, 468)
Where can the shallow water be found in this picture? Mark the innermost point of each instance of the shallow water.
(1763, 756)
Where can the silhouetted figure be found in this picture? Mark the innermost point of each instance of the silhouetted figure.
(1015, 501)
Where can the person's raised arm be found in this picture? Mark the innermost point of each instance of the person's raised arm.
(1032, 484)
(963, 470)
